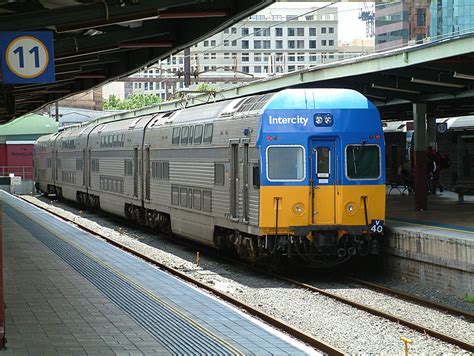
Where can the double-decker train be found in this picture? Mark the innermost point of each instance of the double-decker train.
(295, 174)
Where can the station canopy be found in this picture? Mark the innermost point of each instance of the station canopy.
(99, 41)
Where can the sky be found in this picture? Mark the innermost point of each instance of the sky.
(350, 27)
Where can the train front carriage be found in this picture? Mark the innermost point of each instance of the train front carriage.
(322, 194)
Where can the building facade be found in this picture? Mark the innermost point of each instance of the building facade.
(273, 41)
(451, 18)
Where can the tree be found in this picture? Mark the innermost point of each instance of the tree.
(134, 101)
(205, 87)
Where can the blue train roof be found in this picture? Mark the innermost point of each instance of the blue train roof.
(318, 99)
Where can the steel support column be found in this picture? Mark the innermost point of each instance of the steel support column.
(3, 339)
(431, 129)
(419, 148)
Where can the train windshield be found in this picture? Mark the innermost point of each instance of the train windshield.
(285, 163)
(363, 161)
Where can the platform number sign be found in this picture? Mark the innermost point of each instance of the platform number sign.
(376, 226)
(27, 57)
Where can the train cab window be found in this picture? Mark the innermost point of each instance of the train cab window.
(184, 135)
(323, 156)
(363, 161)
(256, 176)
(208, 133)
(285, 163)
(197, 199)
(176, 134)
(198, 134)
(219, 174)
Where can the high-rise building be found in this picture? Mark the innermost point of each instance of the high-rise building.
(451, 18)
(275, 40)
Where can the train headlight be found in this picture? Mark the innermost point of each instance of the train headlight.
(328, 120)
(318, 120)
(351, 208)
(298, 208)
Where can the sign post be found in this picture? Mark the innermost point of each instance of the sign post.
(27, 57)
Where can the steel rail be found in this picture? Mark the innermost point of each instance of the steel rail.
(413, 298)
(279, 324)
(420, 328)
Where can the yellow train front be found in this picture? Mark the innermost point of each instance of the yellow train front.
(322, 179)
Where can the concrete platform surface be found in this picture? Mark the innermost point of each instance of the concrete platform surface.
(70, 293)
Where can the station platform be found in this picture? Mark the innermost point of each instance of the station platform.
(434, 247)
(69, 292)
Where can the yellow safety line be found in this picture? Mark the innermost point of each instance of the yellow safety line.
(432, 226)
(144, 290)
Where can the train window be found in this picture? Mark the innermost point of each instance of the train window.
(190, 198)
(176, 133)
(78, 164)
(191, 134)
(208, 133)
(184, 135)
(323, 156)
(206, 200)
(256, 176)
(219, 173)
(183, 192)
(197, 199)
(128, 167)
(95, 165)
(166, 170)
(363, 161)
(285, 163)
(198, 134)
(175, 195)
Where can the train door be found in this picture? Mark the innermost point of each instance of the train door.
(135, 171)
(245, 180)
(147, 172)
(234, 179)
(84, 167)
(323, 178)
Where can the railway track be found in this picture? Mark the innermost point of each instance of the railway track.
(278, 324)
(318, 344)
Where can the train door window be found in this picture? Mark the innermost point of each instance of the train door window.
(256, 176)
(190, 198)
(183, 192)
(191, 135)
(197, 199)
(175, 195)
(206, 200)
(166, 170)
(363, 161)
(198, 134)
(176, 134)
(208, 133)
(323, 159)
(219, 174)
(184, 135)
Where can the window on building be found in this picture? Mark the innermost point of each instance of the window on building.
(291, 44)
(257, 44)
(323, 43)
(291, 68)
(245, 44)
(291, 57)
(312, 31)
(245, 57)
(213, 43)
(266, 44)
(257, 69)
(300, 31)
(300, 57)
(226, 55)
(323, 30)
(246, 69)
(233, 30)
(312, 43)
(420, 17)
(278, 31)
(290, 31)
(234, 43)
(206, 44)
(226, 43)
(331, 42)
(257, 31)
(331, 29)
(278, 44)
(244, 31)
(257, 57)
(300, 44)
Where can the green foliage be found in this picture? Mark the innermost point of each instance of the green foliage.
(205, 87)
(469, 298)
(134, 101)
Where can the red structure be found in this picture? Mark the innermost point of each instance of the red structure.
(17, 158)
